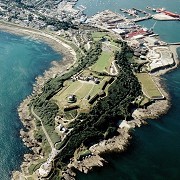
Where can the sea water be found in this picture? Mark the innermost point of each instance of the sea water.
(169, 31)
(21, 60)
(154, 153)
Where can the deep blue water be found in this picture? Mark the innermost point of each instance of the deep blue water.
(154, 153)
(154, 150)
(21, 60)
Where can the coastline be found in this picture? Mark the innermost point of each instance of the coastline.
(59, 68)
(59, 46)
(159, 107)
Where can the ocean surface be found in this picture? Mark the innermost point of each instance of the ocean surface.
(21, 60)
(154, 153)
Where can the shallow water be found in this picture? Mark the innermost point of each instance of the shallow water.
(21, 60)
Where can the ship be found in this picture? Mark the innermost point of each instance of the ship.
(162, 10)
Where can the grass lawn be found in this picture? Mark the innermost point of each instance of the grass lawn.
(103, 63)
(69, 115)
(148, 85)
(82, 90)
(98, 35)
(52, 134)
(78, 88)
(34, 167)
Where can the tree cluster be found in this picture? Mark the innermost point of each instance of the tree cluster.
(101, 121)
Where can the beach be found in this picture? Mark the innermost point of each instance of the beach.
(57, 68)
(54, 42)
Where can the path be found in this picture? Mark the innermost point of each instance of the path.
(46, 167)
(43, 128)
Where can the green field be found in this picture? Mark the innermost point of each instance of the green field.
(148, 86)
(98, 35)
(82, 90)
(103, 63)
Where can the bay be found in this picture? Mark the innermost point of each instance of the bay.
(21, 60)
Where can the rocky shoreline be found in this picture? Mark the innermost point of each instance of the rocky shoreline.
(159, 107)
(116, 144)
(58, 68)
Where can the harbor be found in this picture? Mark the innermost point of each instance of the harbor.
(137, 14)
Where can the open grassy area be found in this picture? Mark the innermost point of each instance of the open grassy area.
(78, 88)
(69, 115)
(103, 63)
(98, 35)
(82, 90)
(35, 166)
(148, 85)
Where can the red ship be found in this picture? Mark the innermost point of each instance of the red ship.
(168, 13)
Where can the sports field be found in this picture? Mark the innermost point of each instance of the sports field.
(148, 86)
(98, 35)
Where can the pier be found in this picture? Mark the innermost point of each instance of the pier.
(131, 12)
(176, 43)
(150, 8)
(139, 10)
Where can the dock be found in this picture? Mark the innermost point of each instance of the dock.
(131, 12)
(151, 9)
(176, 43)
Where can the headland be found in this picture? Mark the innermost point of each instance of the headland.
(80, 108)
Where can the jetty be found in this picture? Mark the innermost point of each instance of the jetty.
(176, 43)
(150, 8)
(131, 12)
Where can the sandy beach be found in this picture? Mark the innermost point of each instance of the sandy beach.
(43, 36)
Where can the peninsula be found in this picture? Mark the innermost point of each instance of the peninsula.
(86, 105)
